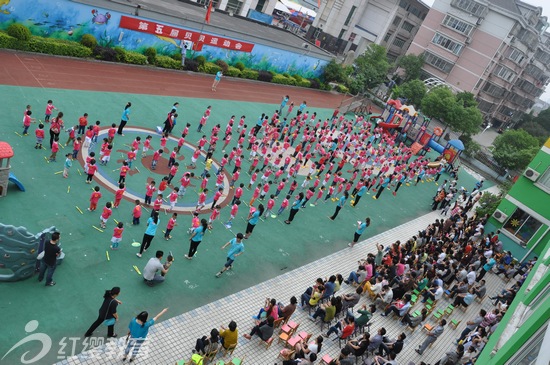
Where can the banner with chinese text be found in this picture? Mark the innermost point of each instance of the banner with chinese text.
(199, 39)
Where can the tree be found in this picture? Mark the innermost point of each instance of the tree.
(514, 149)
(543, 119)
(459, 112)
(412, 65)
(414, 91)
(333, 72)
(371, 69)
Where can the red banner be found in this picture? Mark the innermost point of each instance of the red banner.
(199, 39)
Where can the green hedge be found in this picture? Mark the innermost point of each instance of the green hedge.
(303, 82)
(168, 62)
(135, 58)
(19, 31)
(283, 80)
(209, 68)
(7, 41)
(57, 47)
(249, 74)
(233, 72)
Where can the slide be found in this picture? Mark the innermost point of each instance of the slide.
(436, 146)
(14, 180)
(375, 117)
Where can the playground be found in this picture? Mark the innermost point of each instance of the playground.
(89, 267)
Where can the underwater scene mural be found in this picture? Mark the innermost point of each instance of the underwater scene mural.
(63, 19)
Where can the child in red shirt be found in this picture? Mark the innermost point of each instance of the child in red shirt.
(202, 200)
(94, 198)
(157, 204)
(156, 157)
(119, 194)
(39, 133)
(150, 190)
(27, 120)
(136, 213)
(131, 157)
(170, 226)
(284, 205)
(117, 235)
(217, 196)
(55, 149)
(104, 217)
(92, 168)
(123, 171)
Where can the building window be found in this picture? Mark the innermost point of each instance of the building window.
(504, 110)
(471, 7)
(404, 4)
(341, 33)
(350, 15)
(516, 56)
(504, 73)
(408, 26)
(544, 181)
(447, 43)
(458, 25)
(484, 106)
(521, 225)
(398, 42)
(352, 37)
(387, 37)
(438, 62)
(396, 21)
(542, 56)
(494, 90)
(415, 11)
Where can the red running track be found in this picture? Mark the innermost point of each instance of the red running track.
(38, 70)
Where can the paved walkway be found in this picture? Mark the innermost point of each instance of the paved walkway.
(174, 338)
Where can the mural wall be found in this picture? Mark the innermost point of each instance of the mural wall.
(64, 19)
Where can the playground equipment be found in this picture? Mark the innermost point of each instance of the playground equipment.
(395, 115)
(5, 154)
(425, 140)
(19, 250)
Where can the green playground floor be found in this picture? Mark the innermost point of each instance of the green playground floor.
(67, 309)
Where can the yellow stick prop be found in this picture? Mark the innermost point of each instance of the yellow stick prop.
(77, 208)
(99, 229)
(107, 253)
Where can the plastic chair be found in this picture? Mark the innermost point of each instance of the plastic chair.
(325, 360)
(455, 323)
(267, 343)
(229, 350)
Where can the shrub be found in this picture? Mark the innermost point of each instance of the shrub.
(151, 54)
(7, 41)
(191, 65)
(223, 65)
(19, 31)
(265, 76)
(55, 47)
(314, 83)
(168, 62)
(105, 53)
(284, 80)
(233, 72)
(249, 74)
(177, 57)
(209, 68)
(120, 54)
(285, 74)
(89, 41)
(240, 66)
(298, 78)
(201, 60)
(303, 83)
(135, 58)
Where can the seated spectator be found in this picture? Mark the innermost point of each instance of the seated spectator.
(377, 340)
(286, 311)
(434, 293)
(343, 328)
(307, 294)
(229, 336)
(270, 309)
(330, 287)
(385, 297)
(359, 346)
(464, 299)
(451, 357)
(504, 296)
(373, 289)
(325, 311)
(392, 347)
(480, 289)
(350, 300)
(414, 321)
(399, 307)
(338, 283)
(343, 358)
(300, 361)
(459, 288)
(380, 360)
(472, 325)
(313, 297)
(422, 284)
(357, 277)
(305, 351)
(207, 344)
(264, 330)
(364, 315)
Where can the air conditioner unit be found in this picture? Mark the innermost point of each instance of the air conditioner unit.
(531, 174)
(500, 216)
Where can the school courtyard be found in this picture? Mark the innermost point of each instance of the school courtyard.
(279, 261)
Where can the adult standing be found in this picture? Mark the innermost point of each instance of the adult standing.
(137, 332)
(152, 224)
(196, 238)
(217, 80)
(236, 249)
(340, 205)
(359, 194)
(253, 218)
(301, 108)
(295, 207)
(125, 118)
(49, 261)
(284, 101)
(107, 311)
(383, 186)
(361, 226)
(55, 127)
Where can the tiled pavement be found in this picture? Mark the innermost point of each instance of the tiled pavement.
(174, 338)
